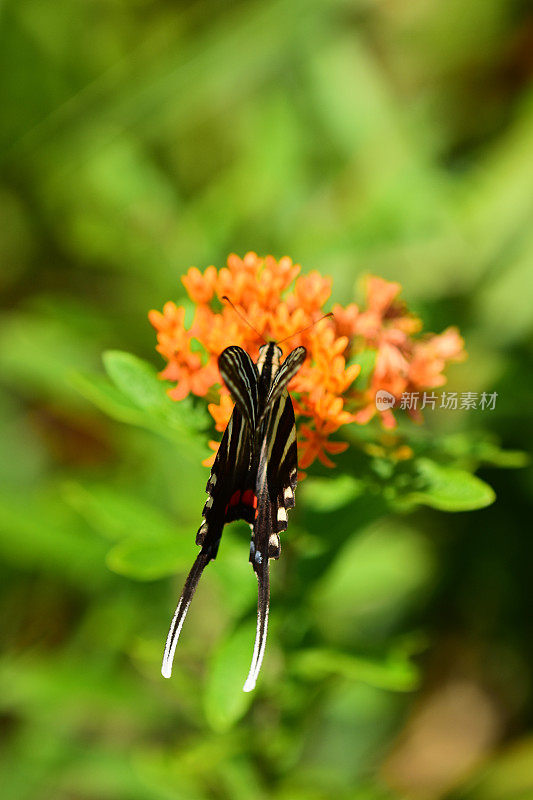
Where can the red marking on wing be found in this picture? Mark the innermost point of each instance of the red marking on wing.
(235, 497)
(249, 498)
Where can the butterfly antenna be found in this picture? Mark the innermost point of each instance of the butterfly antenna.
(202, 560)
(241, 315)
(263, 602)
(297, 333)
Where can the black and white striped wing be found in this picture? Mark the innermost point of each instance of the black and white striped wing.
(275, 486)
(240, 375)
(231, 484)
(253, 478)
(230, 469)
(285, 373)
(229, 476)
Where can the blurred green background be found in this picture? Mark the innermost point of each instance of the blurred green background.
(139, 138)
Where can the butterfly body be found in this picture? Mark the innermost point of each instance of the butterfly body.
(253, 478)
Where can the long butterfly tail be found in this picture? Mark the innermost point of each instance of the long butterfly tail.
(180, 613)
(263, 602)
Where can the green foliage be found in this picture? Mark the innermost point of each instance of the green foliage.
(138, 397)
(395, 673)
(450, 489)
(139, 139)
(224, 700)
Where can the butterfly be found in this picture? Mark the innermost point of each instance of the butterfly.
(253, 478)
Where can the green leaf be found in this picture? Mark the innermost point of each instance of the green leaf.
(395, 672)
(148, 545)
(107, 398)
(506, 459)
(450, 489)
(224, 700)
(329, 494)
(139, 382)
(116, 514)
(136, 379)
(138, 397)
(145, 560)
(470, 449)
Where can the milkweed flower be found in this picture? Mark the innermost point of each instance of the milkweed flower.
(281, 304)
(404, 363)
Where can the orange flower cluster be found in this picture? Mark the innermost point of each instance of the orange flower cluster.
(403, 363)
(323, 393)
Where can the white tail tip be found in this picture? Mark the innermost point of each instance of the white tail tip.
(249, 684)
(172, 638)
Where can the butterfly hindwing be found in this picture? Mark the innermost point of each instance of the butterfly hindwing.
(230, 469)
(275, 485)
(228, 482)
(283, 463)
(253, 478)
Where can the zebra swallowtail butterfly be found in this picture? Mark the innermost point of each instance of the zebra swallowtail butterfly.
(253, 478)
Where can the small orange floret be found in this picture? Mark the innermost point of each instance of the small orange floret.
(221, 413)
(210, 460)
(381, 294)
(311, 291)
(346, 319)
(200, 288)
(314, 444)
(282, 305)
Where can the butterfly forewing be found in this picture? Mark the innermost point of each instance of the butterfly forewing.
(240, 375)
(285, 373)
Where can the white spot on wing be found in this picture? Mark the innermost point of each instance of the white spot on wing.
(282, 515)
